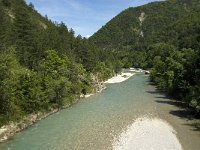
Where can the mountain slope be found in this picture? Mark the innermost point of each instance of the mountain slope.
(163, 37)
(43, 65)
(136, 28)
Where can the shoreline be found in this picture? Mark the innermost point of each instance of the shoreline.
(119, 78)
(123, 76)
(9, 130)
(148, 133)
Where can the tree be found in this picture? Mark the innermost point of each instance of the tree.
(9, 71)
(54, 74)
(24, 36)
(102, 71)
(31, 6)
(4, 27)
(6, 3)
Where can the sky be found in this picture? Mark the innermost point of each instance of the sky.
(85, 17)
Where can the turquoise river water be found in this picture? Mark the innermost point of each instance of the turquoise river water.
(93, 123)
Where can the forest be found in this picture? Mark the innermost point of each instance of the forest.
(43, 65)
(163, 37)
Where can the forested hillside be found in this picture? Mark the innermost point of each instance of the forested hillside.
(136, 28)
(163, 37)
(43, 65)
(175, 60)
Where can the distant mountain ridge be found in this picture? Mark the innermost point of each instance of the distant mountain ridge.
(43, 65)
(136, 28)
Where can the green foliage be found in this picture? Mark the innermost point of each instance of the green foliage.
(48, 67)
(54, 74)
(168, 40)
(24, 35)
(6, 3)
(4, 28)
(9, 67)
(29, 92)
(102, 71)
(177, 75)
(126, 29)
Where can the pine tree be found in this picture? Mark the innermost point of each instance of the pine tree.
(24, 36)
(3, 24)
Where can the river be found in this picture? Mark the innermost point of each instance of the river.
(94, 123)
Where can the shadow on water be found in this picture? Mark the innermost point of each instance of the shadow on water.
(190, 116)
(171, 102)
(195, 126)
(150, 82)
(153, 92)
(183, 111)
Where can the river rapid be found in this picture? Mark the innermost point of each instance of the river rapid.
(97, 122)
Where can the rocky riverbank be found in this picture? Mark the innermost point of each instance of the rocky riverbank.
(9, 130)
(148, 133)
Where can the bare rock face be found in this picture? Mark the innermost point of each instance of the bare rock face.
(142, 17)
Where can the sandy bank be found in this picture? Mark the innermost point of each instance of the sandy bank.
(120, 78)
(148, 134)
(116, 79)
(137, 70)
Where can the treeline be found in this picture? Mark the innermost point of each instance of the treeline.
(163, 37)
(137, 28)
(176, 63)
(43, 65)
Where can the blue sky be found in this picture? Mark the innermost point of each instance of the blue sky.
(84, 16)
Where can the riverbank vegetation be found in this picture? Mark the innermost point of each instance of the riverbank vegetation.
(176, 68)
(43, 65)
(163, 37)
